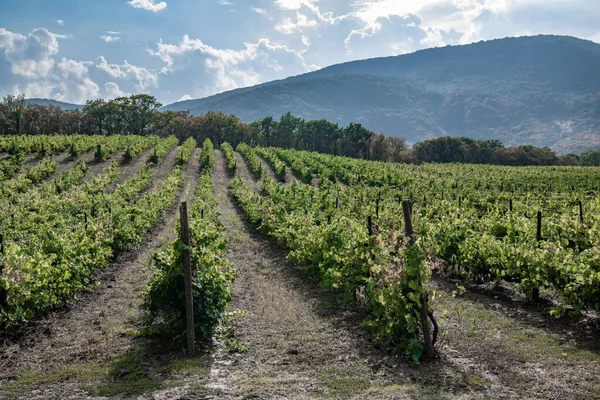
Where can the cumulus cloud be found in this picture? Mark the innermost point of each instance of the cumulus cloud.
(228, 68)
(149, 5)
(387, 35)
(60, 22)
(288, 27)
(185, 97)
(36, 72)
(293, 4)
(144, 78)
(109, 38)
(261, 11)
(112, 90)
(30, 56)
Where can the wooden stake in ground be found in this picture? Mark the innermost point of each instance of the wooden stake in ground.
(187, 274)
(427, 338)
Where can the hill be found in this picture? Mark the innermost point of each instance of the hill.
(56, 103)
(540, 90)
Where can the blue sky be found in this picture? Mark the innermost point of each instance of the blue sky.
(75, 50)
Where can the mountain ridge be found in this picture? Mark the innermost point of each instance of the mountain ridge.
(541, 90)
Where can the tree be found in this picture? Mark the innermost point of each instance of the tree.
(99, 111)
(590, 158)
(289, 128)
(14, 107)
(138, 112)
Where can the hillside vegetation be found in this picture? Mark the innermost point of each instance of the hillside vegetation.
(541, 90)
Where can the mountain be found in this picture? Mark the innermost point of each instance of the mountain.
(56, 103)
(541, 90)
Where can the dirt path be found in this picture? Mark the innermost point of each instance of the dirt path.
(129, 169)
(89, 345)
(161, 173)
(303, 345)
(300, 343)
(66, 162)
(245, 169)
(289, 176)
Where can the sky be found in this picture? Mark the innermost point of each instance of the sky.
(77, 50)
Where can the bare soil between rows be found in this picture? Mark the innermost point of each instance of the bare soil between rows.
(303, 343)
(70, 351)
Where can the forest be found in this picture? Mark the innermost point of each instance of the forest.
(141, 114)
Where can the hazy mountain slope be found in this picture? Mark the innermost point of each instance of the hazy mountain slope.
(542, 90)
(49, 102)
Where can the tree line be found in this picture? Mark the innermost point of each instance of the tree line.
(466, 150)
(141, 115)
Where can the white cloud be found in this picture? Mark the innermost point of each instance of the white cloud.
(149, 5)
(30, 56)
(112, 90)
(261, 11)
(109, 38)
(293, 4)
(185, 97)
(225, 3)
(76, 91)
(60, 22)
(288, 27)
(391, 35)
(229, 69)
(113, 32)
(72, 68)
(113, 70)
(144, 78)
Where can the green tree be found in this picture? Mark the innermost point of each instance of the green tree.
(14, 107)
(590, 158)
(138, 112)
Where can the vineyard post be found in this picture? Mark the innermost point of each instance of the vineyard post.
(580, 211)
(510, 205)
(427, 338)
(1, 247)
(535, 292)
(187, 274)
(539, 227)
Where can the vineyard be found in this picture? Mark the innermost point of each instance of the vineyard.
(314, 275)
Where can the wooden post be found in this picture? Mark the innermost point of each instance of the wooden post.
(427, 338)
(187, 274)
(535, 291)
(370, 225)
(510, 205)
(1, 247)
(539, 227)
(85, 220)
(377, 208)
(580, 211)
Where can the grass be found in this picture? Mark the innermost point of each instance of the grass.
(522, 342)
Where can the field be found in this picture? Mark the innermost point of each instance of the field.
(307, 284)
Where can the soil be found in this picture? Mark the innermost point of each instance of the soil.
(128, 170)
(289, 176)
(302, 342)
(65, 352)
